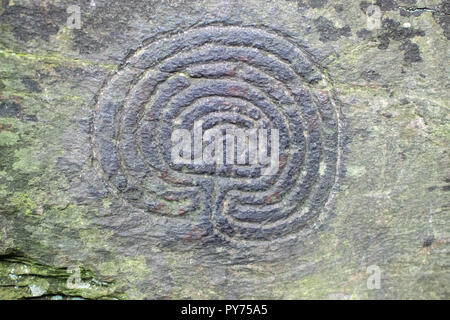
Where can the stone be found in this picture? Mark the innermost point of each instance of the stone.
(94, 207)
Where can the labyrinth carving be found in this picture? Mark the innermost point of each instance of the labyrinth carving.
(220, 77)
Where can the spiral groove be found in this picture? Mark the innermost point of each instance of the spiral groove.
(225, 77)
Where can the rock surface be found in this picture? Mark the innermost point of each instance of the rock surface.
(92, 207)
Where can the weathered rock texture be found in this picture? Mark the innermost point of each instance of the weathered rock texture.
(91, 205)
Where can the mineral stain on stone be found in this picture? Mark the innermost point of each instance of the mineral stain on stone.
(35, 22)
(85, 43)
(411, 52)
(317, 3)
(392, 31)
(370, 75)
(328, 31)
(384, 5)
(31, 84)
(442, 17)
(9, 109)
(428, 241)
(364, 34)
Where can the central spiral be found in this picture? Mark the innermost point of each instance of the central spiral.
(221, 79)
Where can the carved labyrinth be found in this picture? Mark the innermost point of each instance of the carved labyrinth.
(227, 77)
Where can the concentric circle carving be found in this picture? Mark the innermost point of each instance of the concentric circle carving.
(225, 77)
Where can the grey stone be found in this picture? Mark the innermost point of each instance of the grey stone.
(92, 205)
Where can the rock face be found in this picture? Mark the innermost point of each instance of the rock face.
(93, 205)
